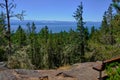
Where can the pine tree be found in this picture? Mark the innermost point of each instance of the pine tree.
(50, 51)
(19, 37)
(44, 33)
(109, 19)
(33, 41)
(8, 6)
(3, 56)
(2, 27)
(104, 29)
(104, 26)
(116, 4)
(92, 31)
(81, 30)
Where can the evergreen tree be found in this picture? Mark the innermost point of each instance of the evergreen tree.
(104, 29)
(86, 34)
(109, 19)
(2, 28)
(50, 50)
(29, 28)
(19, 37)
(116, 4)
(81, 30)
(104, 26)
(92, 31)
(33, 41)
(33, 28)
(72, 36)
(44, 33)
(116, 28)
(3, 44)
(8, 6)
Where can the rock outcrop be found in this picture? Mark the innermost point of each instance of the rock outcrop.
(80, 71)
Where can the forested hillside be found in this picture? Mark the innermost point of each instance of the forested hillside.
(45, 50)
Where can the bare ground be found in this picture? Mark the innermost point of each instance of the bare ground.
(80, 71)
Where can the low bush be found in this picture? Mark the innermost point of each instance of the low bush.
(113, 71)
(19, 60)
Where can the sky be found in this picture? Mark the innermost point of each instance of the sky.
(61, 10)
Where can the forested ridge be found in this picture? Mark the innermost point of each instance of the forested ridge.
(46, 50)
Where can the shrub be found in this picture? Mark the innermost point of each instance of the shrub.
(113, 71)
(19, 60)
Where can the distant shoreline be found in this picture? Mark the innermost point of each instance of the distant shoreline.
(54, 26)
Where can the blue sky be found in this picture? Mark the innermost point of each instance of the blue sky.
(62, 10)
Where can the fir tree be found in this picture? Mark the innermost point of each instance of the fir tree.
(109, 19)
(116, 4)
(81, 30)
(104, 26)
(20, 37)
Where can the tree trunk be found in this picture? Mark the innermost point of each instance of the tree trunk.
(8, 23)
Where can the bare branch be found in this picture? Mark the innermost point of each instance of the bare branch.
(20, 16)
(12, 6)
(2, 5)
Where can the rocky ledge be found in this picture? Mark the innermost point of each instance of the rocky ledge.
(80, 71)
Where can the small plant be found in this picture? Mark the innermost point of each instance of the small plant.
(113, 71)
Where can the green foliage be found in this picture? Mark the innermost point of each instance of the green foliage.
(19, 37)
(2, 29)
(19, 59)
(113, 71)
(2, 38)
(82, 32)
(3, 56)
(47, 50)
(116, 4)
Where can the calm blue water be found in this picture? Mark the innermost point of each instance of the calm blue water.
(53, 28)
(56, 27)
